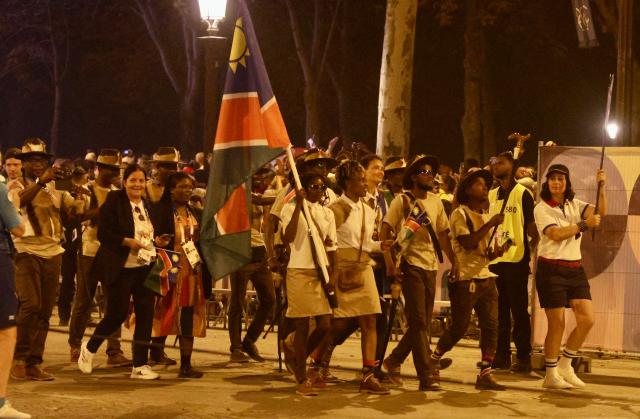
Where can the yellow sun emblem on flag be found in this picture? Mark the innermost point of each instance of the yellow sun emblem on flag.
(239, 48)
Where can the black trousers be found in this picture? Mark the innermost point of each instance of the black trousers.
(513, 302)
(129, 283)
(258, 273)
(68, 286)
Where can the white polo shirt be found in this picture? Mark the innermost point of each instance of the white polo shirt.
(350, 233)
(549, 214)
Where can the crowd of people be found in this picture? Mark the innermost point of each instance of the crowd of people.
(358, 228)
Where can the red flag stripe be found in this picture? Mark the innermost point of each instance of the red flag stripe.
(233, 217)
(240, 120)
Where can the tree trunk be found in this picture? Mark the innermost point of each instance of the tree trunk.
(489, 140)
(54, 141)
(474, 62)
(312, 117)
(396, 77)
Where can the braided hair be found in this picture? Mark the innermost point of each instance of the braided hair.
(346, 170)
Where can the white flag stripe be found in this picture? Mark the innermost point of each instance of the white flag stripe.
(239, 95)
(240, 143)
(269, 103)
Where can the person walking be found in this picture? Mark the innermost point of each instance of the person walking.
(305, 295)
(10, 223)
(182, 311)
(122, 263)
(561, 281)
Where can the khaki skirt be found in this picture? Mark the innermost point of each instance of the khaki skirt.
(305, 296)
(360, 301)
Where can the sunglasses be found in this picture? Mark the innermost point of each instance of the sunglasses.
(319, 164)
(424, 172)
(139, 212)
(317, 187)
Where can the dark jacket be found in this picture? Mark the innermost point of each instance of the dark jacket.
(164, 223)
(115, 222)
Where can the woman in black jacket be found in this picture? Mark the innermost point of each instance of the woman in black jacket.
(182, 311)
(122, 263)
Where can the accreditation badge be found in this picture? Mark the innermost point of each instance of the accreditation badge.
(190, 250)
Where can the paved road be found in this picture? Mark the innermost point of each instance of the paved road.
(257, 390)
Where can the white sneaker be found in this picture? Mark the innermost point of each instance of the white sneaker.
(85, 360)
(570, 377)
(7, 411)
(144, 373)
(554, 381)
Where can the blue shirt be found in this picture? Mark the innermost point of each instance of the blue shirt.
(8, 218)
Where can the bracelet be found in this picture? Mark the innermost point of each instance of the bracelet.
(582, 226)
(40, 184)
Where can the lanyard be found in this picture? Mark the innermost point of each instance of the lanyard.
(180, 223)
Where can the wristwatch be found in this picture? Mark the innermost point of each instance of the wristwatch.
(41, 184)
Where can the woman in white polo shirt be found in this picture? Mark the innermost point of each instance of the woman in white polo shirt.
(560, 279)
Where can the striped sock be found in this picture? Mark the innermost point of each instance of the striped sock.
(567, 357)
(550, 363)
(436, 355)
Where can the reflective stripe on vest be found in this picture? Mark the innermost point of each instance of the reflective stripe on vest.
(513, 225)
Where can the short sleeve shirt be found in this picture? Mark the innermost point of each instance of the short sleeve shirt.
(301, 253)
(550, 214)
(473, 263)
(420, 251)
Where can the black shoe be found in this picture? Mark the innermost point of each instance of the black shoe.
(252, 350)
(445, 363)
(188, 372)
(162, 360)
(521, 366)
(238, 356)
(430, 383)
(487, 381)
(501, 364)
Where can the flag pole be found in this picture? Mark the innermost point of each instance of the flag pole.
(604, 139)
(317, 243)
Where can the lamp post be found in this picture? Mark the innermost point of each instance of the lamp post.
(212, 12)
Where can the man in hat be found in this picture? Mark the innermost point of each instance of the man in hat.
(108, 164)
(512, 267)
(257, 271)
(475, 287)
(39, 256)
(418, 265)
(165, 161)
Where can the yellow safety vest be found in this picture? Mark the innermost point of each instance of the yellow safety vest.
(513, 225)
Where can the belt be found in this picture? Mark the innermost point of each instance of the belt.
(560, 262)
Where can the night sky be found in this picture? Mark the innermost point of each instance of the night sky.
(116, 93)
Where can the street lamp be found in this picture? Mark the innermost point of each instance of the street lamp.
(212, 12)
(215, 51)
(612, 130)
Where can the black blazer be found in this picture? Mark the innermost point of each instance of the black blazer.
(164, 223)
(115, 222)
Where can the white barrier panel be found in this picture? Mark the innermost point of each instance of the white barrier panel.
(612, 262)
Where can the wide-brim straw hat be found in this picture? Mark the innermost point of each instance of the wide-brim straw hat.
(109, 157)
(34, 147)
(468, 179)
(418, 161)
(169, 155)
(315, 155)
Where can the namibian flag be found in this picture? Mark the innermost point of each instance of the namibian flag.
(416, 219)
(250, 133)
(164, 271)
